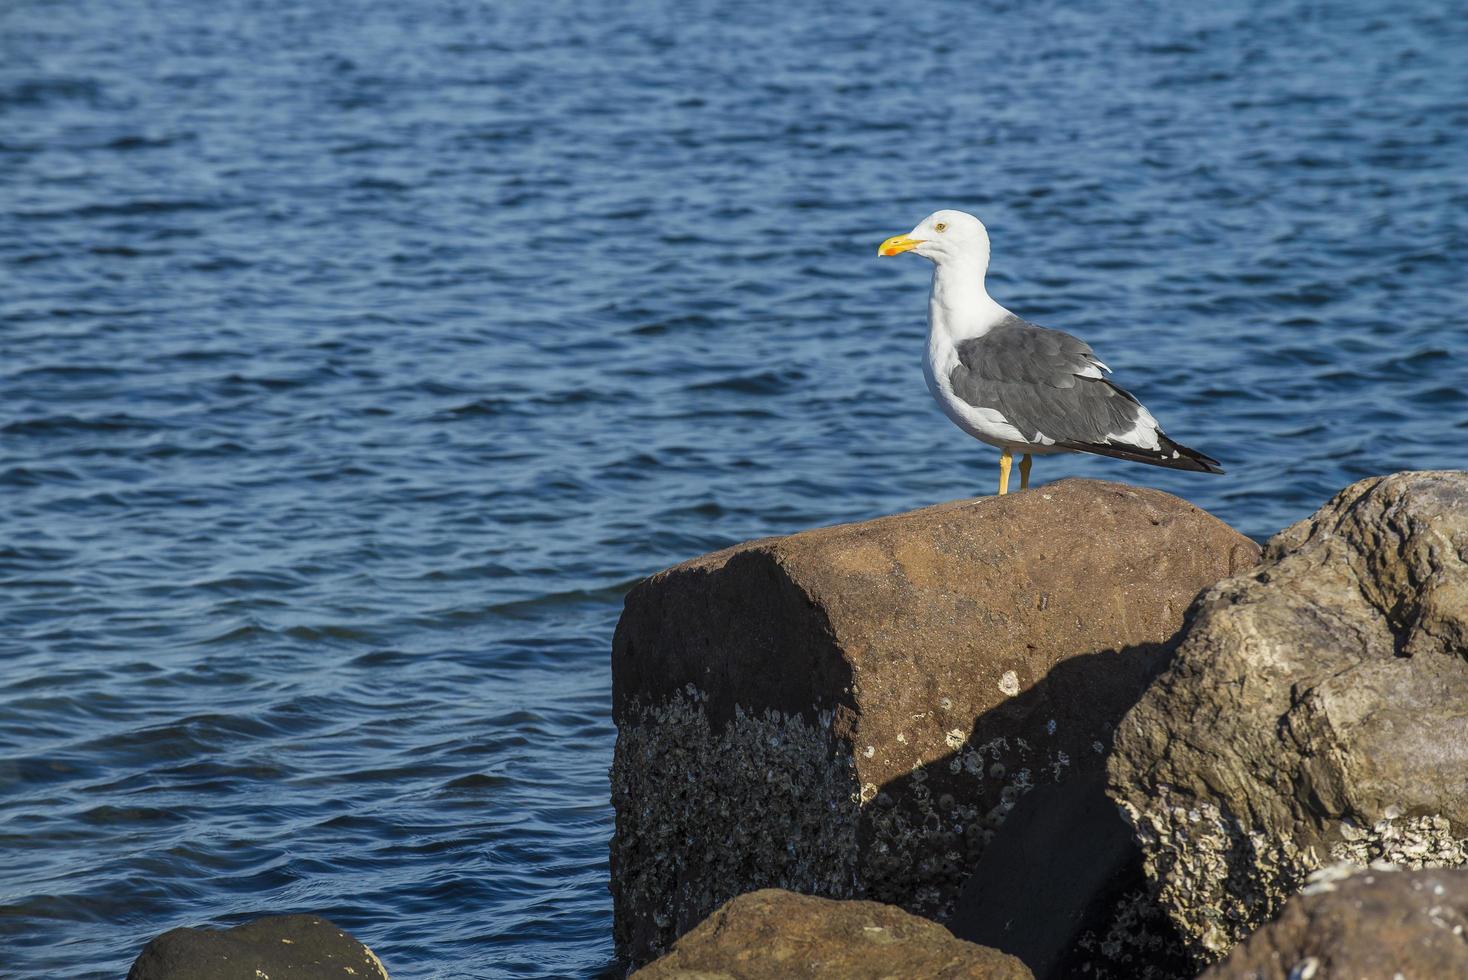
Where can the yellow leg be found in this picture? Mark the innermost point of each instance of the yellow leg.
(1004, 460)
(1024, 471)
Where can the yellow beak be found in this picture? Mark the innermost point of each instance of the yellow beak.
(898, 244)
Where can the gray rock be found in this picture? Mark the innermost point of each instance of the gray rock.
(854, 711)
(1317, 710)
(779, 935)
(278, 947)
(1380, 922)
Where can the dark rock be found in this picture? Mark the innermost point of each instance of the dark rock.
(853, 711)
(1316, 711)
(779, 935)
(278, 947)
(1061, 887)
(1377, 923)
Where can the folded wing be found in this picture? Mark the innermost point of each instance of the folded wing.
(1049, 386)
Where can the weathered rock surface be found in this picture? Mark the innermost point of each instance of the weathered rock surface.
(1316, 711)
(1376, 923)
(779, 935)
(280, 947)
(853, 711)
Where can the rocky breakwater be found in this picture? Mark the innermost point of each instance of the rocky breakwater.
(1316, 712)
(854, 711)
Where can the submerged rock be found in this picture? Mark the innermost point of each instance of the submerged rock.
(280, 947)
(779, 935)
(1316, 711)
(854, 711)
(1381, 922)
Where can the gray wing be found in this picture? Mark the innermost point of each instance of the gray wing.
(1045, 383)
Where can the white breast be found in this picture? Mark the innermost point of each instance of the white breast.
(960, 308)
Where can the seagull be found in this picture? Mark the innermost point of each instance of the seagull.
(1021, 387)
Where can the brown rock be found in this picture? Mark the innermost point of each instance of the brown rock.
(1374, 924)
(779, 935)
(281, 947)
(852, 711)
(1316, 711)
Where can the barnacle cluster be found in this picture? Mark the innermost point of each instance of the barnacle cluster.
(708, 812)
(1405, 842)
(703, 815)
(924, 833)
(1219, 879)
(1138, 943)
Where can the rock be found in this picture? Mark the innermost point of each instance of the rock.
(280, 947)
(1317, 710)
(779, 935)
(1377, 923)
(852, 711)
(1061, 886)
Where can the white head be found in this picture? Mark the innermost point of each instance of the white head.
(953, 238)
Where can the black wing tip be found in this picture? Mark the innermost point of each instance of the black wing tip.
(1172, 455)
(1202, 463)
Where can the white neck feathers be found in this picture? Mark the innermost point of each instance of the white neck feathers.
(959, 305)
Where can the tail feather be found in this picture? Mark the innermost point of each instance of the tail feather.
(1170, 454)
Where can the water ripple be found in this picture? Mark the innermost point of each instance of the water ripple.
(356, 367)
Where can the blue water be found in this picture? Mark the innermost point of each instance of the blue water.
(357, 357)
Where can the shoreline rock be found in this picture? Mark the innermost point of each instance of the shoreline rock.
(854, 711)
(1316, 711)
(281, 947)
(1349, 922)
(779, 935)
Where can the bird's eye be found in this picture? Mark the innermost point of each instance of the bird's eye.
(941, 226)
